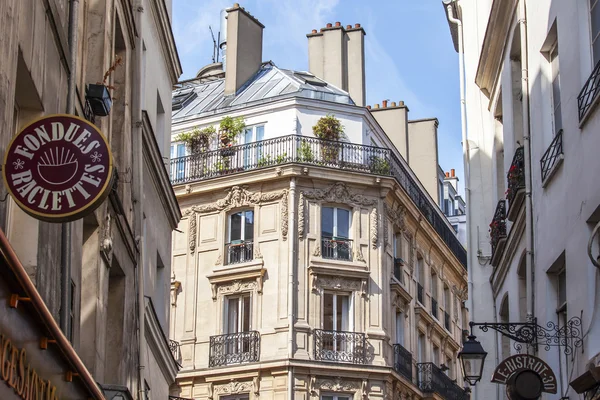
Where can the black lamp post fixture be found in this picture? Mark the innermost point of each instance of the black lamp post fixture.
(472, 357)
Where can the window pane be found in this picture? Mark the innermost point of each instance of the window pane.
(327, 222)
(557, 119)
(260, 133)
(232, 317)
(328, 312)
(246, 314)
(180, 150)
(248, 135)
(343, 223)
(595, 16)
(235, 227)
(562, 288)
(249, 225)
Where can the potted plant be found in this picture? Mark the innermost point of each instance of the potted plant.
(329, 128)
(380, 165)
(230, 128)
(306, 154)
(197, 140)
(97, 95)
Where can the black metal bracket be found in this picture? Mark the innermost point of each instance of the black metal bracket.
(531, 334)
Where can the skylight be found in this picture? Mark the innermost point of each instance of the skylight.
(181, 100)
(310, 79)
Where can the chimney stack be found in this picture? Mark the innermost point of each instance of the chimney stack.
(452, 172)
(337, 56)
(244, 48)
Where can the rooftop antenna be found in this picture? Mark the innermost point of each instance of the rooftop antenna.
(215, 57)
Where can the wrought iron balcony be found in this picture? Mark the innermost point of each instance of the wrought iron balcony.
(447, 321)
(420, 293)
(175, 348)
(588, 96)
(239, 252)
(336, 248)
(552, 157)
(339, 346)
(398, 264)
(234, 348)
(516, 183)
(317, 152)
(434, 308)
(498, 232)
(403, 361)
(431, 379)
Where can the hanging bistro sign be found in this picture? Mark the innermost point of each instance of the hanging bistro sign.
(58, 168)
(536, 369)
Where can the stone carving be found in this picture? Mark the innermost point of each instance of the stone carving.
(338, 283)
(336, 193)
(338, 385)
(365, 389)
(388, 393)
(233, 287)
(256, 386)
(317, 252)
(257, 254)
(312, 385)
(192, 232)
(358, 255)
(219, 260)
(397, 216)
(374, 232)
(240, 197)
(210, 390)
(233, 387)
(188, 189)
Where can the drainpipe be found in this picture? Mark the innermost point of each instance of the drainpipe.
(292, 262)
(529, 262)
(66, 234)
(138, 190)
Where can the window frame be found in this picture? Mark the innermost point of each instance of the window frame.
(594, 37)
(241, 316)
(553, 55)
(242, 225)
(350, 312)
(335, 222)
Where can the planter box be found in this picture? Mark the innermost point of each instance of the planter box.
(497, 255)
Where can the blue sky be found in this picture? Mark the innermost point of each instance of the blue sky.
(408, 49)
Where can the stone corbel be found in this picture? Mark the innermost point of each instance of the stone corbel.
(312, 385)
(210, 391)
(256, 386)
(365, 389)
(363, 287)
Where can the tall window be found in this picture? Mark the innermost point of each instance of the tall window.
(335, 233)
(241, 237)
(337, 314)
(434, 294)
(420, 278)
(436, 355)
(177, 164)
(253, 154)
(554, 63)
(237, 313)
(595, 25)
(400, 328)
(421, 348)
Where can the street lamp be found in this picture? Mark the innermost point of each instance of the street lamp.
(472, 358)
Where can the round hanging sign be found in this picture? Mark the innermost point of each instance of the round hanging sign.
(58, 168)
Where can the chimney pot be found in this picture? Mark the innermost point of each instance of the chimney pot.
(452, 172)
(338, 23)
(368, 107)
(322, 29)
(236, 5)
(357, 25)
(447, 174)
(314, 31)
(384, 104)
(329, 25)
(393, 104)
(401, 103)
(376, 105)
(348, 26)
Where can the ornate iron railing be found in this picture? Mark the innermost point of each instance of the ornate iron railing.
(498, 225)
(234, 348)
(420, 293)
(516, 175)
(336, 248)
(447, 320)
(431, 379)
(398, 264)
(552, 155)
(239, 252)
(340, 346)
(317, 152)
(175, 348)
(589, 93)
(434, 308)
(403, 362)
(178, 398)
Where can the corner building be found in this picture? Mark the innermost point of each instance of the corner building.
(296, 274)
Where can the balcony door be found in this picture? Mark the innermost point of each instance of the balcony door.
(400, 328)
(177, 162)
(335, 233)
(241, 237)
(337, 318)
(237, 321)
(253, 153)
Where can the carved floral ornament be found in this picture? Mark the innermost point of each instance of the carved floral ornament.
(339, 385)
(237, 197)
(338, 193)
(397, 216)
(338, 283)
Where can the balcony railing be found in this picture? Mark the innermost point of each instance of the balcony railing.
(339, 346)
(434, 308)
(317, 152)
(498, 229)
(447, 320)
(336, 248)
(398, 264)
(552, 156)
(175, 348)
(589, 93)
(516, 176)
(234, 348)
(239, 252)
(431, 379)
(420, 293)
(178, 398)
(403, 361)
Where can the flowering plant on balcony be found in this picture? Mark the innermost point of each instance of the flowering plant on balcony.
(230, 128)
(329, 128)
(497, 231)
(197, 140)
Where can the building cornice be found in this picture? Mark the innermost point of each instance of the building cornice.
(158, 173)
(494, 44)
(167, 39)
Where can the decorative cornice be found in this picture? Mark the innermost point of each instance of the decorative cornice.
(337, 193)
(236, 280)
(494, 44)
(233, 387)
